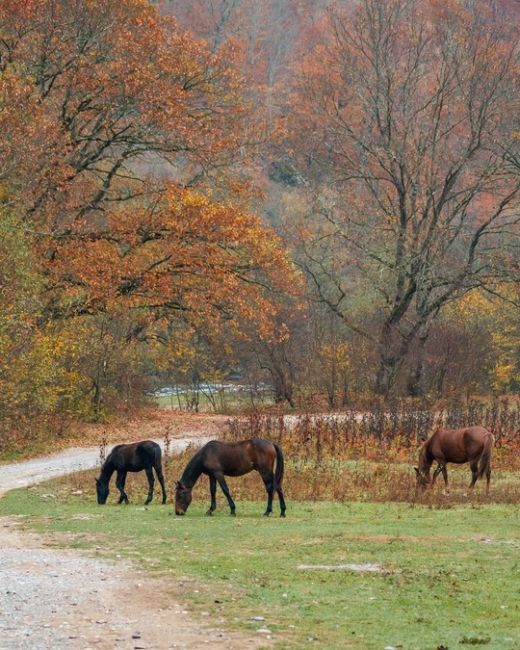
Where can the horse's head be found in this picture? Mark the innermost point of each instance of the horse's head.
(102, 491)
(182, 498)
(422, 479)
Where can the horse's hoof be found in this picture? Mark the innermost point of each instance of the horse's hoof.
(209, 513)
(266, 514)
(282, 514)
(233, 514)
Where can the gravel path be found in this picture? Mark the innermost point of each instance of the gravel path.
(33, 471)
(65, 600)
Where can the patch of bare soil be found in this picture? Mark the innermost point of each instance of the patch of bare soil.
(60, 599)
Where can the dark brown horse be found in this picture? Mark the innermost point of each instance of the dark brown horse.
(218, 459)
(472, 445)
(133, 457)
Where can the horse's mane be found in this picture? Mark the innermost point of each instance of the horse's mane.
(193, 469)
(107, 469)
(423, 455)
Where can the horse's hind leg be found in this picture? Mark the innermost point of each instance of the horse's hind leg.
(213, 493)
(223, 485)
(151, 481)
(474, 473)
(488, 478)
(283, 507)
(120, 485)
(160, 477)
(268, 479)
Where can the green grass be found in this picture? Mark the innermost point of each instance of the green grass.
(228, 403)
(451, 577)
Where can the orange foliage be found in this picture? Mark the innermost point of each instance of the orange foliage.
(108, 112)
(188, 254)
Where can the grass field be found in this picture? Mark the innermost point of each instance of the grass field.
(448, 578)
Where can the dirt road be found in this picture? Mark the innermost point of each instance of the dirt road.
(76, 459)
(61, 599)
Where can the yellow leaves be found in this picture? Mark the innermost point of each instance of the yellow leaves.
(336, 354)
(475, 304)
(504, 375)
(4, 192)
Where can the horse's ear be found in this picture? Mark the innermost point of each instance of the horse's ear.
(97, 481)
(417, 471)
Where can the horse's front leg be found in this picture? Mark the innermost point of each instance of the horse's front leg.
(160, 476)
(149, 476)
(213, 493)
(120, 485)
(223, 485)
(436, 473)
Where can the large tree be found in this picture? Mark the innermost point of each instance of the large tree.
(404, 129)
(111, 117)
(123, 145)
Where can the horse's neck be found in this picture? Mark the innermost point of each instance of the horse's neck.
(107, 470)
(425, 460)
(192, 471)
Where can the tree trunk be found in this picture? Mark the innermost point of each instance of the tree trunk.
(414, 384)
(389, 360)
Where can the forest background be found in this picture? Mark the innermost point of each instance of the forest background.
(321, 199)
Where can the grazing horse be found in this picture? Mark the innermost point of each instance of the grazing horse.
(133, 457)
(218, 459)
(472, 445)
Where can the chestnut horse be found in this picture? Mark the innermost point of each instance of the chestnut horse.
(471, 445)
(133, 457)
(218, 459)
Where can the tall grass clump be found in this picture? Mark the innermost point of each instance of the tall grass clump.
(369, 456)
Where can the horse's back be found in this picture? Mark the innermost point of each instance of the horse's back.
(135, 456)
(238, 446)
(237, 458)
(458, 445)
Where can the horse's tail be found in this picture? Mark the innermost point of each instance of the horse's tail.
(485, 456)
(278, 473)
(157, 457)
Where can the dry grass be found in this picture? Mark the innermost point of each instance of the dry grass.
(366, 458)
(371, 458)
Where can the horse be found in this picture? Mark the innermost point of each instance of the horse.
(133, 457)
(471, 445)
(218, 459)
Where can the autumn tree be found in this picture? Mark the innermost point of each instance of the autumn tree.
(125, 91)
(123, 144)
(406, 148)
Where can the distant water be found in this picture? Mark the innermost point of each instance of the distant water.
(209, 388)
